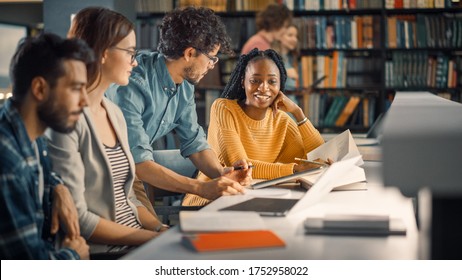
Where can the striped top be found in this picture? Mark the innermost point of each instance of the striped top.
(120, 170)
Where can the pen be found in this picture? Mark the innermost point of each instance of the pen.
(241, 167)
(309, 161)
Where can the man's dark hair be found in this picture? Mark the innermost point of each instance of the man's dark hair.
(43, 56)
(192, 27)
(273, 17)
(234, 88)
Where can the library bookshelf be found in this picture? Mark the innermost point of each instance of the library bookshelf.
(368, 49)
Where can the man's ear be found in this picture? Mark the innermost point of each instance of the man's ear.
(188, 53)
(39, 89)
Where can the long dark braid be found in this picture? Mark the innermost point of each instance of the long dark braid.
(234, 88)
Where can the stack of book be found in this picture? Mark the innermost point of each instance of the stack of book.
(355, 225)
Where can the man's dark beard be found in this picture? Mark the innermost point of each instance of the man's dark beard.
(53, 118)
(188, 76)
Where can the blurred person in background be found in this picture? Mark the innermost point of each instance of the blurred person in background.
(271, 24)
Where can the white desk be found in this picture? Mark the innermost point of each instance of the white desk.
(301, 246)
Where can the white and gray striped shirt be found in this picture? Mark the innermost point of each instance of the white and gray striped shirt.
(120, 169)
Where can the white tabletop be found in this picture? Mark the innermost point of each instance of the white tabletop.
(376, 200)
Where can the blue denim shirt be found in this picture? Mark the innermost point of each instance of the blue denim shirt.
(25, 217)
(153, 105)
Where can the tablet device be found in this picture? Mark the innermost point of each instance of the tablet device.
(272, 182)
(264, 206)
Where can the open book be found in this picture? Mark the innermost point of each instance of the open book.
(339, 148)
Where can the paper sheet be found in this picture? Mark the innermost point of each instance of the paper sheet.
(338, 148)
(355, 175)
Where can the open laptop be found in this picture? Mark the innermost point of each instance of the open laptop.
(371, 138)
(376, 130)
(283, 207)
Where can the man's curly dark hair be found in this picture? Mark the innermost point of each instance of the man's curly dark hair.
(196, 27)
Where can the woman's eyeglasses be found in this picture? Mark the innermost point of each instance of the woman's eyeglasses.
(132, 53)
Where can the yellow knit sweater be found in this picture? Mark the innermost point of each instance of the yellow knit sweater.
(270, 144)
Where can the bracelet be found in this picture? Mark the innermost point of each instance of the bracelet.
(302, 121)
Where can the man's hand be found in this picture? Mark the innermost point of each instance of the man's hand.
(217, 187)
(243, 176)
(79, 245)
(64, 211)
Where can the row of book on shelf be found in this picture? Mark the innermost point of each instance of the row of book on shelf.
(239, 30)
(295, 5)
(319, 5)
(148, 6)
(402, 31)
(422, 4)
(424, 31)
(419, 69)
(328, 110)
(341, 32)
(216, 5)
(340, 71)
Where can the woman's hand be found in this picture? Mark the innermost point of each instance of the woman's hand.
(303, 165)
(283, 103)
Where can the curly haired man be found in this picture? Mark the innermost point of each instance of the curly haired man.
(160, 98)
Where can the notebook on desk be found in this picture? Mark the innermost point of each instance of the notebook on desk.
(283, 207)
(370, 225)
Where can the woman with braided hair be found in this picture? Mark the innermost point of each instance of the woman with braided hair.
(250, 121)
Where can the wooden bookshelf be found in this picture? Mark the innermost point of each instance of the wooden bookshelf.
(369, 49)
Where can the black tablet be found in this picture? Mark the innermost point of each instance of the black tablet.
(264, 206)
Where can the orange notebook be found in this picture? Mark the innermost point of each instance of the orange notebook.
(234, 240)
